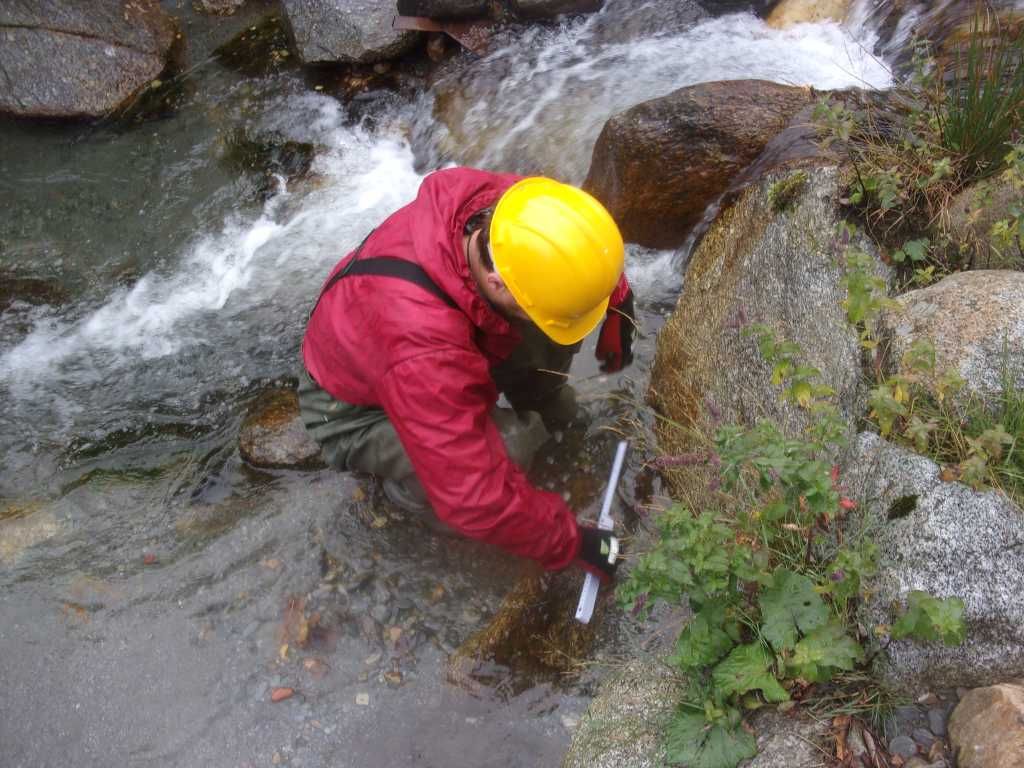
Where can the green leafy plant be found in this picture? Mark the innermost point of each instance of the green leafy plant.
(932, 619)
(922, 407)
(947, 125)
(773, 596)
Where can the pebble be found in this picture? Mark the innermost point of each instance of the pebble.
(937, 721)
(924, 737)
(903, 746)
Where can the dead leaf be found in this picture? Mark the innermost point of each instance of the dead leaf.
(149, 559)
(949, 474)
(271, 563)
(437, 593)
(394, 677)
(394, 633)
(295, 624)
(282, 652)
(75, 611)
(281, 694)
(315, 667)
(358, 494)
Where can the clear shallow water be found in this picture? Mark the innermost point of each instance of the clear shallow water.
(182, 295)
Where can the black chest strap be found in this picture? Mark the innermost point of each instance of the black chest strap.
(388, 266)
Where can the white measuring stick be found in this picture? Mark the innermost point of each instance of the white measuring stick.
(588, 595)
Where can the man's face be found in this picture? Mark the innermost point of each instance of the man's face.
(498, 294)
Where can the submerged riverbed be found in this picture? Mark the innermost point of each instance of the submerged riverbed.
(155, 590)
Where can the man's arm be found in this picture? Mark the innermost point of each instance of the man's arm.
(440, 404)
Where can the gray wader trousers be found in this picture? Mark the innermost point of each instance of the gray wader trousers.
(363, 439)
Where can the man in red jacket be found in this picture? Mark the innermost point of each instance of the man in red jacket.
(484, 284)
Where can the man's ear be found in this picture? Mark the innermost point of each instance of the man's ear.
(495, 283)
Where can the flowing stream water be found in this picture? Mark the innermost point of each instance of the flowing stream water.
(145, 571)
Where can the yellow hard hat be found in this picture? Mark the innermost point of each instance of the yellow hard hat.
(559, 253)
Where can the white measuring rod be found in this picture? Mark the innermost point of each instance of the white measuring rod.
(588, 595)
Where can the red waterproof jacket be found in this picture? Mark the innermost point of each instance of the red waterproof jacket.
(378, 341)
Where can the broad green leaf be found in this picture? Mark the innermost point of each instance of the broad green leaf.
(790, 604)
(694, 742)
(930, 618)
(708, 637)
(823, 651)
(747, 668)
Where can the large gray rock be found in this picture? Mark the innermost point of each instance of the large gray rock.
(786, 740)
(757, 264)
(658, 165)
(624, 727)
(947, 540)
(328, 31)
(976, 322)
(74, 60)
(974, 212)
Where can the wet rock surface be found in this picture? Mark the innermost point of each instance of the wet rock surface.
(657, 166)
(789, 12)
(265, 160)
(273, 435)
(947, 540)
(329, 31)
(549, 9)
(220, 7)
(80, 60)
(974, 319)
(259, 49)
(756, 264)
(445, 9)
(25, 289)
(987, 727)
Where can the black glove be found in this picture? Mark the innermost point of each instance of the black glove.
(599, 552)
(615, 341)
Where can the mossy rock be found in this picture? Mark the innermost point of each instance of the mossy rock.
(273, 436)
(755, 265)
